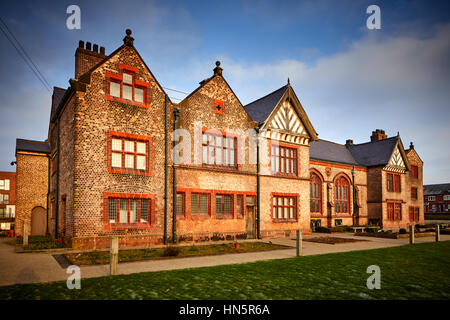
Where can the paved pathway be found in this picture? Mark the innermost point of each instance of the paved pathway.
(42, 267)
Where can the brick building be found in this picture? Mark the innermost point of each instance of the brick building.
(123, 159)
(436, 198)
(7, 200)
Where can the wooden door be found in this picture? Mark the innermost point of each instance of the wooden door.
(250, 222)
(38, 221)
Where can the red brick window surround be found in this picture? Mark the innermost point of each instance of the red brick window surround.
(394, 211)
(342, 195)
(200, 204)
(219, 106)
(219, 150)
(414, 171)
(283, 160)
(414, 214)
(414, 193)
(129, 153)
(393, 182)
(224, 206)
(316, 193)
(129, 210)
(124, 87)
(284, 208)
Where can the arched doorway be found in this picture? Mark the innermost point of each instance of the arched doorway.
(38, 221)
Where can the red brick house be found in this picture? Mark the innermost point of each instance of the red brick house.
(7, 200)
(123, 159)
(436, 198)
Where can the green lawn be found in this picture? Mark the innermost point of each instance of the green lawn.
(420, 271)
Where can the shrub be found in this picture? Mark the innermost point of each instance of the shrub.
(171, 251)
(323, 229)
(402, 231)
(369, 230)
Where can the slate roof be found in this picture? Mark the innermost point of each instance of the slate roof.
(259, 110)
(32, 146)
(435, 189)
(330, 151)
(375, 153)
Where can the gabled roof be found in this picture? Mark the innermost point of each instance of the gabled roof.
(436, 189)
(377, 153)
(260, 109)
(32, 146)
(330, 151)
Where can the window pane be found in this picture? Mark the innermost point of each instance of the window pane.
(138, 95)
(204, 204)
(211, 155)
(286, 212)
(194, 203)
(280, 212)
(140, 162)
(141, 147)
(219, 141)
(129, 146)
(218, 156)
(116, 160)
(144, 210)
(123, 211)
(116, 145)
(238, 205)
(133, 211)
(232, 157)
(205, 155)
(112, 210)
(228, 204)
(114, 89)
(274, 212)
(127, 92)
(129, 161)
(127, 78)
(219, 202)
(179, 203)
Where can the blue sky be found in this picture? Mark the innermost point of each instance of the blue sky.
(350, 80)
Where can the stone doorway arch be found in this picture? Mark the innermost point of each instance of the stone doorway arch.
(38, 221)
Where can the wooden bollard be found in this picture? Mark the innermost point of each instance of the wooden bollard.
(411, 234)
(438, 236)
(25, 234)
(299, 246)
(114, 255)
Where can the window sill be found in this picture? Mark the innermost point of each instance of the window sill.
(120, 226)
(131, 102)
(220, 168)
(284, 220)
(129, 171)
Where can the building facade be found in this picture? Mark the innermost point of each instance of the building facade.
(436, 198)
(7, 200)
(123, 159)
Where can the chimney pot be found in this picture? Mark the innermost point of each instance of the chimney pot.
(81, 44)
(95, 48)
(88, 46)
(102, 50)
(378, 135)
(349, 142)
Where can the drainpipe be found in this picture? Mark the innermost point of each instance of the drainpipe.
(57, 181)
(165, 166)
(353, 197)
(176, 115)
(48, 192)
(258, 189)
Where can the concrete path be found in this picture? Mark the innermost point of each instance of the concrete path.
(42, 267)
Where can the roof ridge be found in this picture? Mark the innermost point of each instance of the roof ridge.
(285, 86)
(360, 144)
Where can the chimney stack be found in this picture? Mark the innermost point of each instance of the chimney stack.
(348, 142)
(86, 58)
(378, 135)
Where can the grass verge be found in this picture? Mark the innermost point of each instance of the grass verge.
(418, 271)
